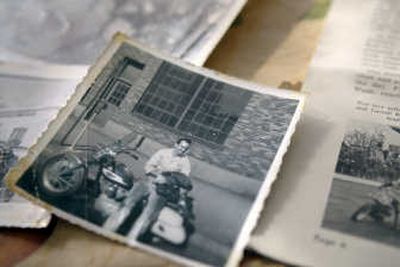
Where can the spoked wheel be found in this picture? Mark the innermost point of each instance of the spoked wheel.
(61, 175)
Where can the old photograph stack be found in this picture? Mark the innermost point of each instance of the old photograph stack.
(46, 48)
(162, 155)
(108, 123)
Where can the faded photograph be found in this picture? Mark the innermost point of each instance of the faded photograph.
(27, 105)
(60, 31)
(370, 152)
(162, 155)
(365, 192)
(8, 158)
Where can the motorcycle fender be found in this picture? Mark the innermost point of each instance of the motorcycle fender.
(171, 233)
(169, 226)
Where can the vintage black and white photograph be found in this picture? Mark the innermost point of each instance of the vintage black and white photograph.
(16, 211)
(60, 32)
(8, 158)
(365, 192)
(164, 156)
(27, 104)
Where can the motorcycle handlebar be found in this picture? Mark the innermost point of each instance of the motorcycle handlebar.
(151, 174)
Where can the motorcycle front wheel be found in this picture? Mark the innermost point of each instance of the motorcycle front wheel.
(61, 175)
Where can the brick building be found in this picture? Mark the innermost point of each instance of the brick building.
(237, 130)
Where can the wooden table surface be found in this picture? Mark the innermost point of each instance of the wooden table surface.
(17, 244)
(271, 42)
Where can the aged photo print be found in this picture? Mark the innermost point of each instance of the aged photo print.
(164, 156)
(15, 211)
(27, 104)
(365, 192)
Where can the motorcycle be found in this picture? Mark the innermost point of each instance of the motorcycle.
(380, 208)
(175, 221)
(64, 174)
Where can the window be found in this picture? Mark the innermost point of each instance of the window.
(121, 83)
(192, 104)
(168, 95)
(119, 89)
(211, 116)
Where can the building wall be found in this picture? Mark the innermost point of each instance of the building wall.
(151, 66)
(251, 145)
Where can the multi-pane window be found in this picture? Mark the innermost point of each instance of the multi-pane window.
(122, 82)
(211, 116)
(192, 104)
(168, 95)
(119, 90)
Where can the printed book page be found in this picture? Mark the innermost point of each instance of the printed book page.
(162, 156)
(337, 200)
(27, 104)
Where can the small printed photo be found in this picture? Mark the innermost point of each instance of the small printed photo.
(10, 150)
(365, 193)
(22, 121)
(161, 156)
(371, 152)
(16, 211)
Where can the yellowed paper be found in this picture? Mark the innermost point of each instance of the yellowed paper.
(335, 204)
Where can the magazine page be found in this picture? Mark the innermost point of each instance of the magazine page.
(27, 104)
(337, 200)
(161, 155)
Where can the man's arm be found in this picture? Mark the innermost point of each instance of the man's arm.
(186, 168)
(152, 165)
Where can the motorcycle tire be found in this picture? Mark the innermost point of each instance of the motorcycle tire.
(52, 182)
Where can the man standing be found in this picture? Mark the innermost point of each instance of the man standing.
(170, 159)
(165, 160)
